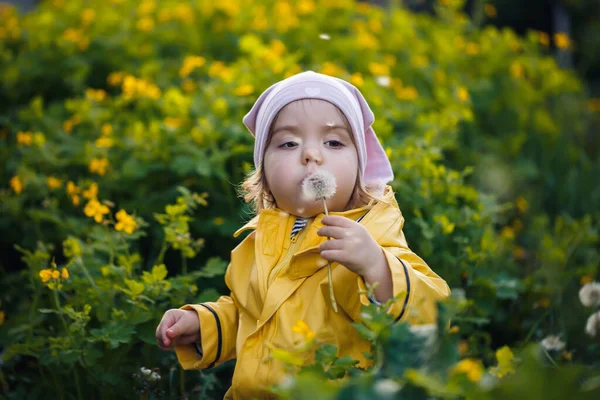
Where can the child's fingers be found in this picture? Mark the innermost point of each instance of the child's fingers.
(187, 339)
(334, 255)
(161, 331)
(332, 245)
(336, 220)
(335, 232)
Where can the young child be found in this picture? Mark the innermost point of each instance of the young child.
(278, 274)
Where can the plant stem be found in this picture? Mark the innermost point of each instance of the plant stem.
(161, 255)
(329, 276)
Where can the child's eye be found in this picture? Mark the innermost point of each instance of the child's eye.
(334, 143)
(288, 145)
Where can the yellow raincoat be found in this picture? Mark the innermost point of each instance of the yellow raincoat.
(276, 281)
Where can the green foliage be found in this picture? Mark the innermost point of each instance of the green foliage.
(122, 118)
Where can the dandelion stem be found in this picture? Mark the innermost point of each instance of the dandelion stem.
(329, 276)
(549, 357)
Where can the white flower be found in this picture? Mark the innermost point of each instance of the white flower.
(145, 371)
(552, 342)
(387, 387)
(324, 36)
(319, 185)
(589, 294)
(593, 324)
(154, 377)
(428, 332)
(383, 81)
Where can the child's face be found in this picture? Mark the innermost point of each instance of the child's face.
(306, 136)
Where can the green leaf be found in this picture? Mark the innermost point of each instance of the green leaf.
(159, 272)
(215, 266)
(135, 287)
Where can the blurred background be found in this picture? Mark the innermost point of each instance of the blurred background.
(122, 149)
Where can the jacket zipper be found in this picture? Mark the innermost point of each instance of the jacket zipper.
(295, 242)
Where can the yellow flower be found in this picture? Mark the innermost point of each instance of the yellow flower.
(64, 273)
(55, 274)
(463, 347)
(88, 16)
(115, 78)
(379, 69)
(516, 70)
(97, 95)
(104, 142)
(508, 233)
(505, 358)
(585, 280)
(463, 94)
(331, 69)
(2, 317)
(189, 64)
(145, 24)
(302, 328)
(522, 204)
(46, 275)
(490, 11)
(519, 253)
(472, 49)
(470, 367)
(99, 166)
(408, 93)
(444, 221)
(53, 183)
(544, 39)
(356, 79)
(107, 129)
(188, 86)
(366, 41)
(125, 222)
(244, 90)
(75, 199)
(16, 184)
(219, 221)
(96, 210)
(306, 7)
(72, 188)
(92, 192)
(219, 70)
(220, 106)
(562, 40)
(24, 138)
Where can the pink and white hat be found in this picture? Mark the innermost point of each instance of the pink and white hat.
(373, 162)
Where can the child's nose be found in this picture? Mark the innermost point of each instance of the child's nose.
(312, 154)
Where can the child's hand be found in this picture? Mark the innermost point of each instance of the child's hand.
(352, 246)
(178, 327)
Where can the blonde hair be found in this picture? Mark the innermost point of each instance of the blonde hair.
(255, 190)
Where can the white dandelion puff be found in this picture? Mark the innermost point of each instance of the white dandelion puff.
(387, 387)
(593, 324)
(552, 343)
(319, 185)
(589, 294)
(154, 377)
(383, 81)
(145, 371)
(324, 36)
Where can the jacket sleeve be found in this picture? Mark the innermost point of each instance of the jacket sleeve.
(218, 333)
(416, 287)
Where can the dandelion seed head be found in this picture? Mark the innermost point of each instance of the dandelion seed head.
(145, 371)
(383, 81)
(324, 36)
(552, 342)
(589, 294)
(593, 324)
(319, 185)
(387, 387)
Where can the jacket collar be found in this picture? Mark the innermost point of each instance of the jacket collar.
(388, 200)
